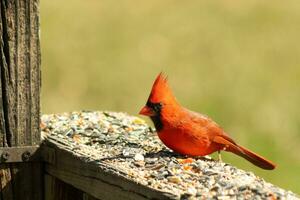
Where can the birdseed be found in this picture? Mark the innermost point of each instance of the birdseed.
(130, 146)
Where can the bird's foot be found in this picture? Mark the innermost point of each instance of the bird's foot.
(220, 157)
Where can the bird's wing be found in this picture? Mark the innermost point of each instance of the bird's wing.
(226, 141)
(226, 137)
(198, 118)
(212, 127)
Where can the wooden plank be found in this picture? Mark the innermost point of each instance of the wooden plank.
(26, 180)
(20, 72)
(88, 197)
(93, 186)
(49, 182)
(3, 69)
(98, 180)
(6, 187)
(58, 190)
(20, 95)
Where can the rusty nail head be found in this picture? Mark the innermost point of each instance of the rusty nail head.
(26, 155)
(5, 156)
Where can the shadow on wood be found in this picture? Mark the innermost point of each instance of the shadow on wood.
(18, 180)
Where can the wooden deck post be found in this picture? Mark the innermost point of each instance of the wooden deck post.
(19, 97)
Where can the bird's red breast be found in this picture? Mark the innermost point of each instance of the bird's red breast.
(187, 132)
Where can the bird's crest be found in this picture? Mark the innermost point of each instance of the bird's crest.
(161, 91)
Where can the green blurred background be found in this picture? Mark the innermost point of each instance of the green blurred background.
(236, 61)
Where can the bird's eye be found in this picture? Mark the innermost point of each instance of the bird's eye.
(156, 107)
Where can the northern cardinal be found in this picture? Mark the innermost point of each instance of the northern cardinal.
(190, 133)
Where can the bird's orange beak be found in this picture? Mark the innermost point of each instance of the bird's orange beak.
(146, 111)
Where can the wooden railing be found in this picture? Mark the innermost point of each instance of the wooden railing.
(108, 155)
(92, 180)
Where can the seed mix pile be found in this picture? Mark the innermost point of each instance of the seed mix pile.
(129, 145)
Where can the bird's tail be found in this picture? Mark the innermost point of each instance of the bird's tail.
(252, 157)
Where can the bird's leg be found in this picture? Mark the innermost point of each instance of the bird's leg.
(220, 157)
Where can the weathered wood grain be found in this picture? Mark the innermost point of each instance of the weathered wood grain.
(58, 190)
(20, 95)
(88, 197)
(98, 180)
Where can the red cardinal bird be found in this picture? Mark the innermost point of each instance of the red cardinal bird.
(190, 133)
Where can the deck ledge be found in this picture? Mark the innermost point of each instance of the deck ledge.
(116, 156)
